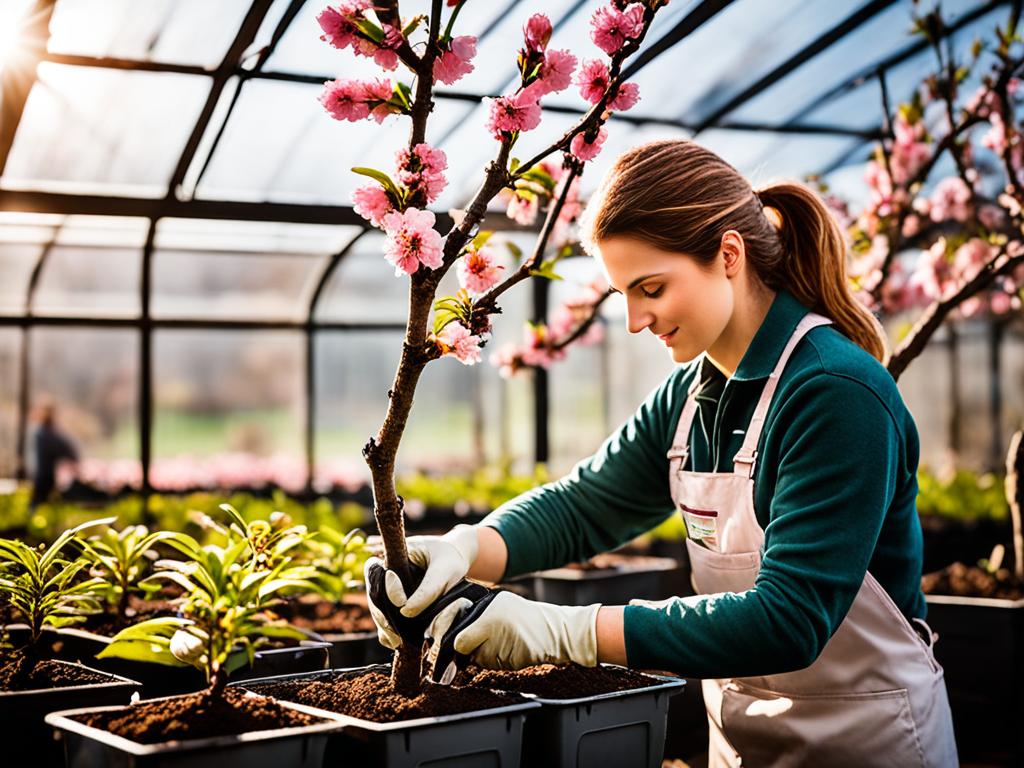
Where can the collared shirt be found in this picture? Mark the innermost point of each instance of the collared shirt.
(835, 491)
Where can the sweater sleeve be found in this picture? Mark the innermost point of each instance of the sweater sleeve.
(838, 465)
(606, 500)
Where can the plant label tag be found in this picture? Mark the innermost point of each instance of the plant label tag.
(701, 524)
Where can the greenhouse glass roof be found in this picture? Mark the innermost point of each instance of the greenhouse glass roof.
(166, 166)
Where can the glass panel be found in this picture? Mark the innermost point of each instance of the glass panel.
(177, 31)
(94, 268)
(10, 365)
(353, 373)
(92, 376)
(68, 139)
(763, 156)
(363, 287)
(277, 146)
(238, 269)
(17, 260)
(873, 42)
(89, 281)
(229, 409)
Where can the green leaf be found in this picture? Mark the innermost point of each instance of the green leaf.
(481, 239)
(381, 177)
(368, 28)
(546, 270)
(515, 250)
(412, 24)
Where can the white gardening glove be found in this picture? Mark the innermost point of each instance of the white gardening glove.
(446, 560)
(513, 632)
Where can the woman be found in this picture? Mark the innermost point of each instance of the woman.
(788, 450)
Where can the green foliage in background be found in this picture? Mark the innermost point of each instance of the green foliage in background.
(962, 495)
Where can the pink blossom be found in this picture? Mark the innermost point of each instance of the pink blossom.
(372, 203)
(456, 339)
(385, 55)
(586, 150)
(991, 217)
(411, 241)
(537, 32)
(932, 275)
(536, 348)
(910, 151)
(555, 73)
(1000, 303)
(612, 27)
(454, 60)
(950, 199)
(477, 270)
(337, 24)
(626, 98)
(523, 209)
(971, 257)
(592, 80)
(509, 114)
(506, 360)
(422, 170)
(345, 100)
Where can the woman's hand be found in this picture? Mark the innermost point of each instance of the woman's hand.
(513, 632)
(446, 560)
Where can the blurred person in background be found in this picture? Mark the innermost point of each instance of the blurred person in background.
(50, 446)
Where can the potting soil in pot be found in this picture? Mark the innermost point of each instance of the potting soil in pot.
(550, 681)
(961, 580)
(326, 617)
(369, 696)
(196, 716)
(612, 561)
(44, 674)
(138, 610)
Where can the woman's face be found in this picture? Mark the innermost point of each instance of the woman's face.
(668, 293)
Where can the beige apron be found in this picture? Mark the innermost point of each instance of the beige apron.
(874, 697)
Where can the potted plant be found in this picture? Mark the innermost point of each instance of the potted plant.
(45, 588)
(222, 622)
(337, 611)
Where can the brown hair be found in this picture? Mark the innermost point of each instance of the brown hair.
(678, 196)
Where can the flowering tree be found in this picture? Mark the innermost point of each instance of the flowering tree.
(397, 203)
(957, 250)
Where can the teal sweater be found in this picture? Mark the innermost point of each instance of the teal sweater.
(835, 489)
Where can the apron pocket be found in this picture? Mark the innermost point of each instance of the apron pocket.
(714, 572)
(859, 730)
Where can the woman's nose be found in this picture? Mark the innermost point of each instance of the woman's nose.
(637, 319)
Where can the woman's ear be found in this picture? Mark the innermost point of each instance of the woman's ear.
(733, 252)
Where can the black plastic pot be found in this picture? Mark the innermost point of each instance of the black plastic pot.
(26, 738)
(981, 649)
(490, 737)
(88, 747)
(621, 729)
(356, 649)
(659, 578)
(161, 680)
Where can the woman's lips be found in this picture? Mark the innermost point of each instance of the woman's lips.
(667, 337)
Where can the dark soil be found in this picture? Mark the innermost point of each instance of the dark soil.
(563, 681)
(196, 716)
(138, 610)
(18, 673)
(961, 580)
(325, 617)
(611, 561)
(369, 695)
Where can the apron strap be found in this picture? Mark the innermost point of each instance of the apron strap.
(680, 449)
(745, 460)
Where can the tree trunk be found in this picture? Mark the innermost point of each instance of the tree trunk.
(1015, 497)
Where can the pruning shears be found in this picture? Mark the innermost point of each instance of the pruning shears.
(441, 665)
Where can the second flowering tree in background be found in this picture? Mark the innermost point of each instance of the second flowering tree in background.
(396, 199)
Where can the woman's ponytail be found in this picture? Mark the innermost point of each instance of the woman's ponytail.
(813, 265)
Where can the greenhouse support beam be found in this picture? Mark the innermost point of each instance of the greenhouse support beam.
(146, 364)
(801, 57)
(70, 321)
(28, 201)
(231, 61)
(686, 26)
(541, 382)
(311, 403)
(19, 73)
(265, 53)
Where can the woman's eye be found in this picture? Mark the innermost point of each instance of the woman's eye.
(652, 294)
